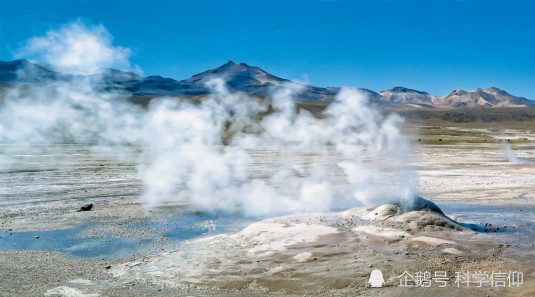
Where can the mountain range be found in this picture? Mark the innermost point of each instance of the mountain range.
(254, 81)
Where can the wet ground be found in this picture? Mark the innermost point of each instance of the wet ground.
(41, 189)
(99, 241)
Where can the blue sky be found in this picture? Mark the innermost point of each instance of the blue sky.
(431, 45)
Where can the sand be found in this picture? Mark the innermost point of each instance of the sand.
(475, 173)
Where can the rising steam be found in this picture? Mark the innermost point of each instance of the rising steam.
(201, 153)
(511, 156)
(77, 49)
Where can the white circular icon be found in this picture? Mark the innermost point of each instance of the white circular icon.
(376, 279)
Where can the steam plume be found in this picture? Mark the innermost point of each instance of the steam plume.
(201, 153)
(511, 156)
(77, 49)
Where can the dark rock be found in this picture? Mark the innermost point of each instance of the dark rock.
(86, 207)
(418, 204)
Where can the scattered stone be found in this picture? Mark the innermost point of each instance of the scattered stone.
(86, 207)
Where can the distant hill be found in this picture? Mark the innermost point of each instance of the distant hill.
(491, 97)
(403, 95)
(23, 71)
(254, 81)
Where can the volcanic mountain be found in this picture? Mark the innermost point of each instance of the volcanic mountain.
(491, 97)
(23, 71)
(407, 96)
(254, 81)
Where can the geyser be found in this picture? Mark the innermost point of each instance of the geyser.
(199, 153)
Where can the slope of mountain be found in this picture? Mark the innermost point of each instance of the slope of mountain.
(239, 77)
(407, 96)
(491, 97)
(24, 71)
(254, 81)
(156, 85)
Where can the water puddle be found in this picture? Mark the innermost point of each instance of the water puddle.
(512, 223)
(82, 242)
(101, 241)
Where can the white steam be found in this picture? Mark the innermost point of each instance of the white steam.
(77, 49)
(511, 156)
(201, 153)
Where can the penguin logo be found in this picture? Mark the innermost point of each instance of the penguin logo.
(376, 279)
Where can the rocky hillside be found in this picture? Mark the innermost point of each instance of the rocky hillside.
(491, 97)
(403, 95)
(255, 81)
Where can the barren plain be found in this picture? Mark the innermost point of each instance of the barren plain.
(485, 188)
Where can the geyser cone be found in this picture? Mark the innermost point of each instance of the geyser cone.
(419, 204)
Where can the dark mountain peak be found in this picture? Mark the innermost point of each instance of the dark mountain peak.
(254, 81)
(404, 90)
(25, 71)
(489, 97)
(231, 68)
(238, 77)
(225, 67)
(156, 77)
(118, 76)
(231, 63)
(494, 90)
(479, 92)
(402, 95)
(458, 92)
(18, 64)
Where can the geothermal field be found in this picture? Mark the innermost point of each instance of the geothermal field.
(122, 248)
(110, 185)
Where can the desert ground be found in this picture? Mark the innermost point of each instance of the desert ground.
(482, 179)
